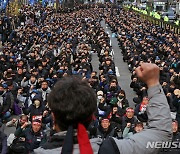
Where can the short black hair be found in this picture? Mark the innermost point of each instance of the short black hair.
(72, 101)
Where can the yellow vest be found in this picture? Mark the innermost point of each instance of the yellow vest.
(166, 19)
(177, 22)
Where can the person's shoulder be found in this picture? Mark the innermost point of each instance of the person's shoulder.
(41, 150)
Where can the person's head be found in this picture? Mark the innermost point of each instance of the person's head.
(44, 85)
(36, 125)
(130, 112)
(145, 100)
(32, 78)
(37, 100)
(23, 119)
(32, 54)
(20, 71)
(108, 61)
(100, 94)
(105, 123)
(174, 126)
(122, 94)
(72, 101)
(93, 74)
(138, 127)
(113, 84)
(10, 84)
(35, 72)
(44, 62)
(40, 67)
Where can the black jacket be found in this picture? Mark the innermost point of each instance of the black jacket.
(6, 103)
(32, 140)
(111, 132)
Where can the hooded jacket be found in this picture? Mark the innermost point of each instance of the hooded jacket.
(32, 110)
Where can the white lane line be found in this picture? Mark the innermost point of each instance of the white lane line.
(108, 34)
(117, 72)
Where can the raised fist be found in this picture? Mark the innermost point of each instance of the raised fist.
(148, 73)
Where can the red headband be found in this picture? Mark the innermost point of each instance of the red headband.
(105, 119)
(130, 110)
(36, 123)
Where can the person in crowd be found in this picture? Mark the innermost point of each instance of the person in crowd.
(100, 96)
(111, 109)
(176, 135)
(140, 110)
(104, 130)
(138, 127)
(122, 101)
(175, 139)
(29, 84)
(44, 91)
(26, 100)
(18, 122)
(129, 118)
(176, 101)
(5, 103)
(33, 136)
(37, 107)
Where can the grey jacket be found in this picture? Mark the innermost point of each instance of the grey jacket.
(159, 129)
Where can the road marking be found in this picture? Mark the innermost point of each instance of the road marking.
(117, 72)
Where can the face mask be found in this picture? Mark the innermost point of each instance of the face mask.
(32, 95)
(1, 92)
(121, 96)
(113, 88)
(44, 89)
(99, 97)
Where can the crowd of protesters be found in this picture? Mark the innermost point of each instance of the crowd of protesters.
(47, 46)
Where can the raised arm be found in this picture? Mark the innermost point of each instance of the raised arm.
(159, 119)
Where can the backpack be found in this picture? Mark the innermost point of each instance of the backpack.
(18, 147)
